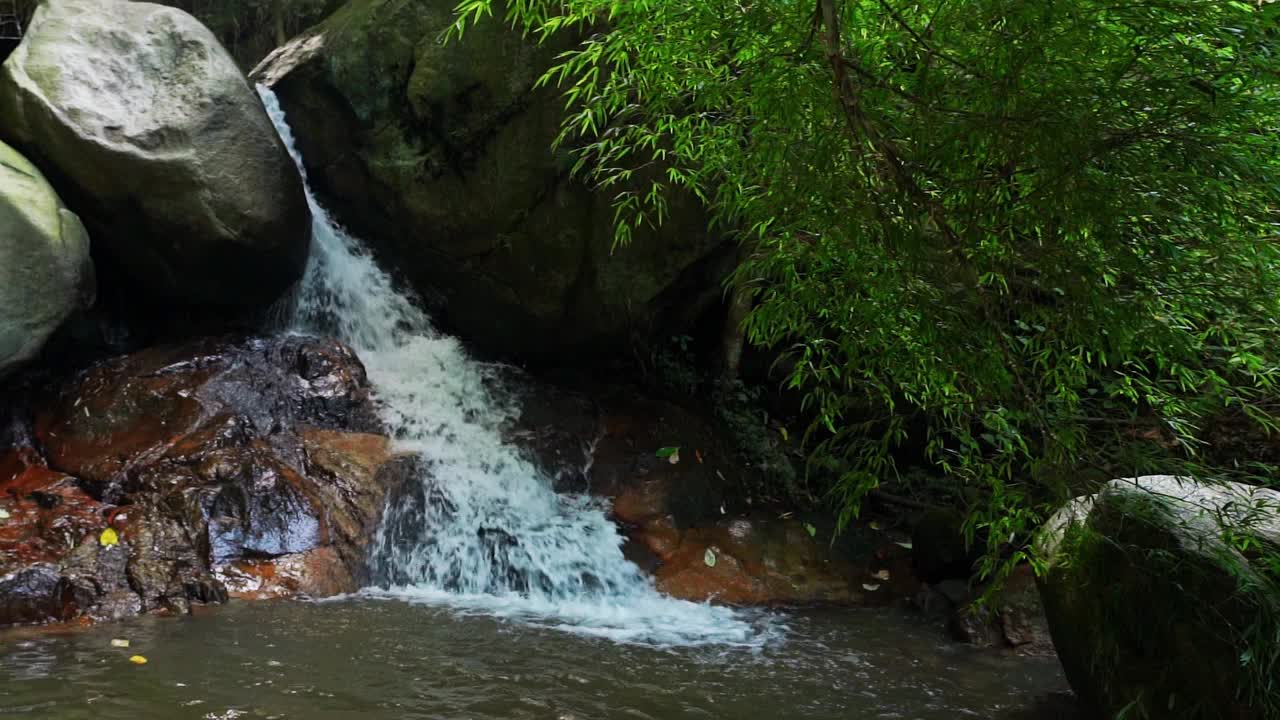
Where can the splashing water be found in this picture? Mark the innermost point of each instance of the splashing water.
(484, 531)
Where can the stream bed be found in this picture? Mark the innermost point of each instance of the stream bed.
(388, 659)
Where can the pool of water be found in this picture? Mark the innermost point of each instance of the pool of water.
(388, 659)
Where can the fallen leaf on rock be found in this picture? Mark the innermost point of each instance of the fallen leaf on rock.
(108, 538)
(709, 557)
(881, 575)
(4, 514)
(869, 587)
(119, 642)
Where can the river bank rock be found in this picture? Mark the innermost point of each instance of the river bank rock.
(439, 155)
(250, 468)
(1155, 599)
(153, 135)
(688, 522)
(45, 270)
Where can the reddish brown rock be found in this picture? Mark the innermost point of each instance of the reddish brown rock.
(250, 466)
(679, 514)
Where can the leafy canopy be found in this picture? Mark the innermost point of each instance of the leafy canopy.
(1040, 234)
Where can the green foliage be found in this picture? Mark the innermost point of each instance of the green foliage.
(1041, 230)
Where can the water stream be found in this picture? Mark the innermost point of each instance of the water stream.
(485, 532)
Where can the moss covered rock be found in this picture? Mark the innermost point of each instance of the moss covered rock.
(151, 132)
(1163, 598)
(45, 272)
(440, 155)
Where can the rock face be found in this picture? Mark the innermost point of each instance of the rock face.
(153, 135)
(440, 155)
(252, 468)
(1152, 603)
(45, 271)
(686, 522)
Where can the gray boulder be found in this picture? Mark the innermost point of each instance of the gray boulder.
(439, 154)
(150, 130)
(45, 271)
(1163, 598)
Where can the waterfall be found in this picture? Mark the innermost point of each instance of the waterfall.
(482, 530)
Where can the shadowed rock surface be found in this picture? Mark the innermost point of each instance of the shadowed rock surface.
(687, 522)
(439, 155)
(252, 468)
(1151, 596)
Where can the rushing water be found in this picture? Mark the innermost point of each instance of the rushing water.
(381, 660)
(486, 531)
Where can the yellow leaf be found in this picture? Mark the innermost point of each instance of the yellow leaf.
(138, 660)
(108, 538)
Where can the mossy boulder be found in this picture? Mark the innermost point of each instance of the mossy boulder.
(1163, 598)
(440, 155)
(151, 132)
(45, 272)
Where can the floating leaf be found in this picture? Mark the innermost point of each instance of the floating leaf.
(667, 452)
(709, 557)
(119, 642)
(108, 538)
(869, 587)
(138, 660)
(813, 531)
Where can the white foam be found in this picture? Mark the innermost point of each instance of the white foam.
(484, 532)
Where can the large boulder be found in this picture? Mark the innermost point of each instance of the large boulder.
(45, 271)
(439, 154)
(152, 133)
(1163, 598)
(252, 468)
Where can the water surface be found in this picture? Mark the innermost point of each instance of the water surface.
(391, 660)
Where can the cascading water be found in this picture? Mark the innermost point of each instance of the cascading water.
(485, 531)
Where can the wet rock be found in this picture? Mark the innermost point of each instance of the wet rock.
(1155, 601)
(45, 272)
(687, 522)
(246, 467)
(439, 154)
(154, 136)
